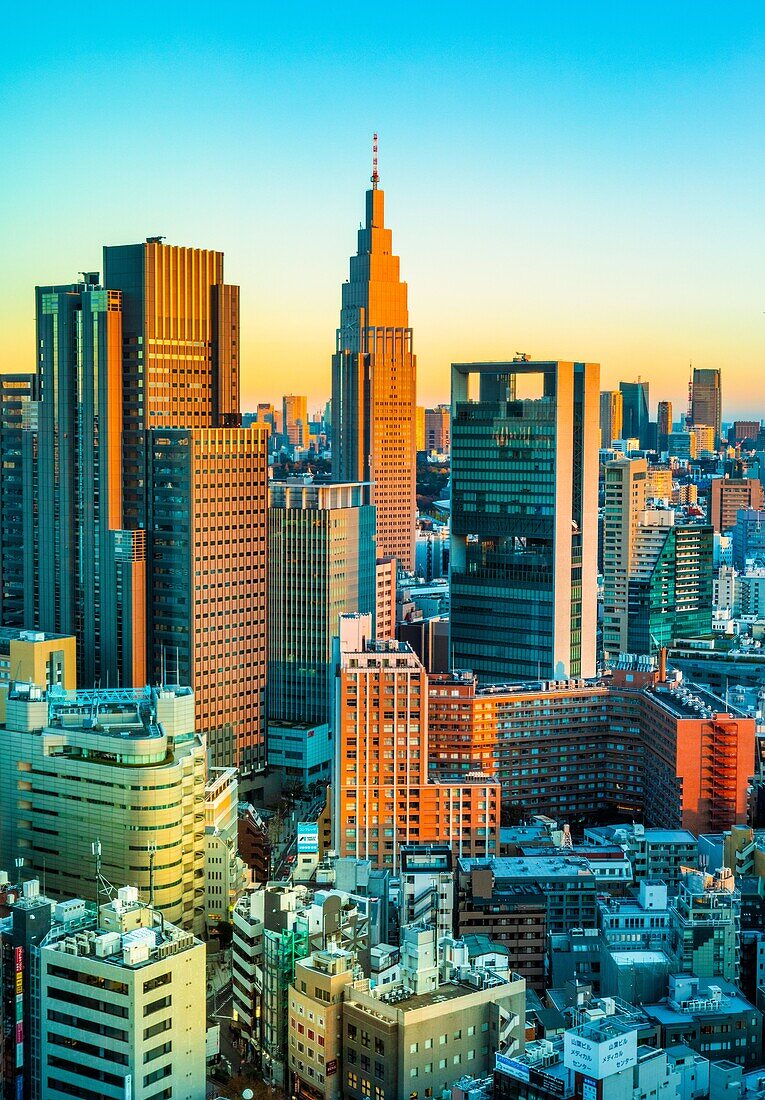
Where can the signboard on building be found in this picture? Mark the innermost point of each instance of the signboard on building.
(512, 1067)
(308, 838)
(598, 1057)
(331, 1067)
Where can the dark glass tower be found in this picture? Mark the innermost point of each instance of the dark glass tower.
(635, 421)
(524, 521)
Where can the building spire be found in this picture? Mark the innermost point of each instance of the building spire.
(375, 173)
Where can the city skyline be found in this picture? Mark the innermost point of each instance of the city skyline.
(581, 163)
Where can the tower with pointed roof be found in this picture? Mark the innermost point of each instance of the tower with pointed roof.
(374, 381)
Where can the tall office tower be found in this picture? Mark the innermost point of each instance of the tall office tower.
(180, 349)
(438, 429)
(373, 385)
(524, 526)
(120, 991)
(123, 767)
(611, 416)
(208, 525)
(382, 795)
(728, 495)
(76, 497)
(670, 588)
(18, 444)
(635, 417)
(625, 493)
(663, 425)
(295, 420)
(706, 399)
(321, 566)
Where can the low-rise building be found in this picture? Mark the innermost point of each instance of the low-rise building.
(712, 1017)
(315, 1023)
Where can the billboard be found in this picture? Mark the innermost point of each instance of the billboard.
(308, 837)
(599, 1058)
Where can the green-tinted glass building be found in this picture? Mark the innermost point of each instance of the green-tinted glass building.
(524, 523)
(670, 590)
(321, 566)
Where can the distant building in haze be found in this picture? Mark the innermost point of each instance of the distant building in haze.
(706, 402)
(663, 425)
(524, 525)
(635, 411)
(611, 416)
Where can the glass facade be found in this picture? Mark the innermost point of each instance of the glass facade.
(521, 489)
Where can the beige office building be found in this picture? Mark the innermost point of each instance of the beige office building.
(121, 1005)
(36, 657)
(122, 768)
(625, 500)
(316, 1023)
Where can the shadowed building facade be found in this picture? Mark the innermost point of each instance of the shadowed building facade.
(373, 385)
(523, 558)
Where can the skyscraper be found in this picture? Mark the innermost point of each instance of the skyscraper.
(625, 492)
(635, 411)
(207, 613)
(373, 385)
(706, 403)
(611, 416)
(321, 566)
(18, 447)
(524, 525)
(295, 420)
(148, 580)
(663, 425)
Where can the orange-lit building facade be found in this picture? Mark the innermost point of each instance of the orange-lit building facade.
(385, 598)
(383, 796)
(629, 747)
(373, 385)
(209, 506)
(728, 494)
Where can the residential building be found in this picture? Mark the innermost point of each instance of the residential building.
(208, 516)
(382, 794)
(316, 1023)
(706, 917)
(658, 483)
(670, 585)
(373, 385)
(656, 855)
(730, 495)
(635, 415)
(706, 399)
(510, 913)
(523, 557)
(705, 440)
(625, 501)
(120, 993)
(611, 416)
(116, 771)
(321, 566)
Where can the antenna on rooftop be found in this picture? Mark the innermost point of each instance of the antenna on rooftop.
(375, 173)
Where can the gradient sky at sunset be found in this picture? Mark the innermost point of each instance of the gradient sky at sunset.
(574, 180)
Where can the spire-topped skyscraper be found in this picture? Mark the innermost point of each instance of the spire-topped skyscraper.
(374, 381)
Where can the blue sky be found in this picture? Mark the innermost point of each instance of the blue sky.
(571, 180)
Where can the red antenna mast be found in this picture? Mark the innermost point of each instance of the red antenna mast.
(375, 173)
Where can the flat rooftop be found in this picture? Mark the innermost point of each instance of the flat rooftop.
(531, 866)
